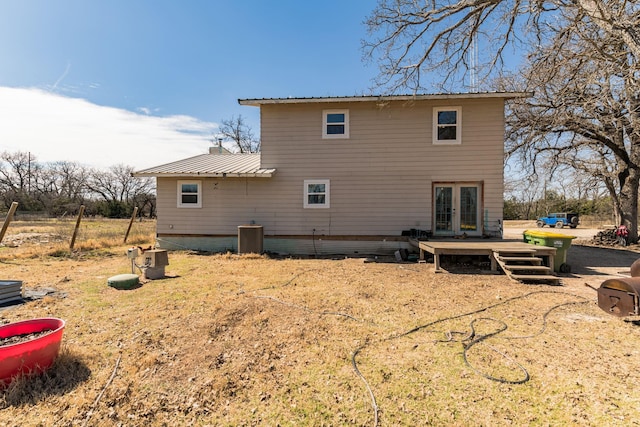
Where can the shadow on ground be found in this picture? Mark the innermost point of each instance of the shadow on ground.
(593, 260)
(67, 372)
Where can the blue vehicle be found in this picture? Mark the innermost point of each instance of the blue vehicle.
(559, 220)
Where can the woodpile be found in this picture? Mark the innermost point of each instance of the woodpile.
(606, 238)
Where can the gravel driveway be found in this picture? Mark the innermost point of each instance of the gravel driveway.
(589, 264)
(510, 232)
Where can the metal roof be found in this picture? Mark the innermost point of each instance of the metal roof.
(384, 98)
(211, 165)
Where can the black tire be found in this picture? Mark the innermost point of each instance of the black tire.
(565, 268)
(559, 224)
(540, 224)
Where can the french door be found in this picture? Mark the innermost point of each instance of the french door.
(457, 209)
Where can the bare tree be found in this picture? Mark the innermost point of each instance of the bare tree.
(18, 171)
(525, 191)
(237, 131)
(69, 179)
(60, 187)
(410, 39)
(586, 113)
(118, 188)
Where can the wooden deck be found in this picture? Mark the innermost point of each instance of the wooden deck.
(480, 247)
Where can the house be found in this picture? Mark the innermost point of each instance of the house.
(344, 175)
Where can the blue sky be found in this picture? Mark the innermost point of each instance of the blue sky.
(145, 82)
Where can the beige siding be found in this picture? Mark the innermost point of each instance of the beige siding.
(381, 177)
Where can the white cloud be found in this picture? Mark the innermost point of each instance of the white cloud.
(53, 128)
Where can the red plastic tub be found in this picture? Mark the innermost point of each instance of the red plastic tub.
(33, 356)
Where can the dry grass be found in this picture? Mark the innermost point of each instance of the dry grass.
(249, 340)
(52, 237)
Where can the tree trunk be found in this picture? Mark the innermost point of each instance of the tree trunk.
(629, 204)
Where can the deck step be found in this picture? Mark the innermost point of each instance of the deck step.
(535, 277)
(523, 266)
(520, 267)
(516, 252)
(531, 259)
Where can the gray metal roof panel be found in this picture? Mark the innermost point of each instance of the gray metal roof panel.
(211, 165)
(383, 98)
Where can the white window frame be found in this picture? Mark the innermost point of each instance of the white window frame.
(198, 204)
(457, 125)
(327, 194)
(325, 114)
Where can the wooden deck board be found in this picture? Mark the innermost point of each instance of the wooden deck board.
(484, 247)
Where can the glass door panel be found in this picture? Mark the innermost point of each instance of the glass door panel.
(444, 209)
(468, 209)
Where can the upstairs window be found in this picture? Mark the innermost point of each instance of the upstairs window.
(316, 193)
(335, 124)
(189, 194)
(447, 127)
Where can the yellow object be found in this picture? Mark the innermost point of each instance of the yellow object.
(547, 234)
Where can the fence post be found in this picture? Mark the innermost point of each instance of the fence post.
(75, 232)
(135, 212)
(8, 219)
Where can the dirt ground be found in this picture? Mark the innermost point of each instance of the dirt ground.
(254, 340)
